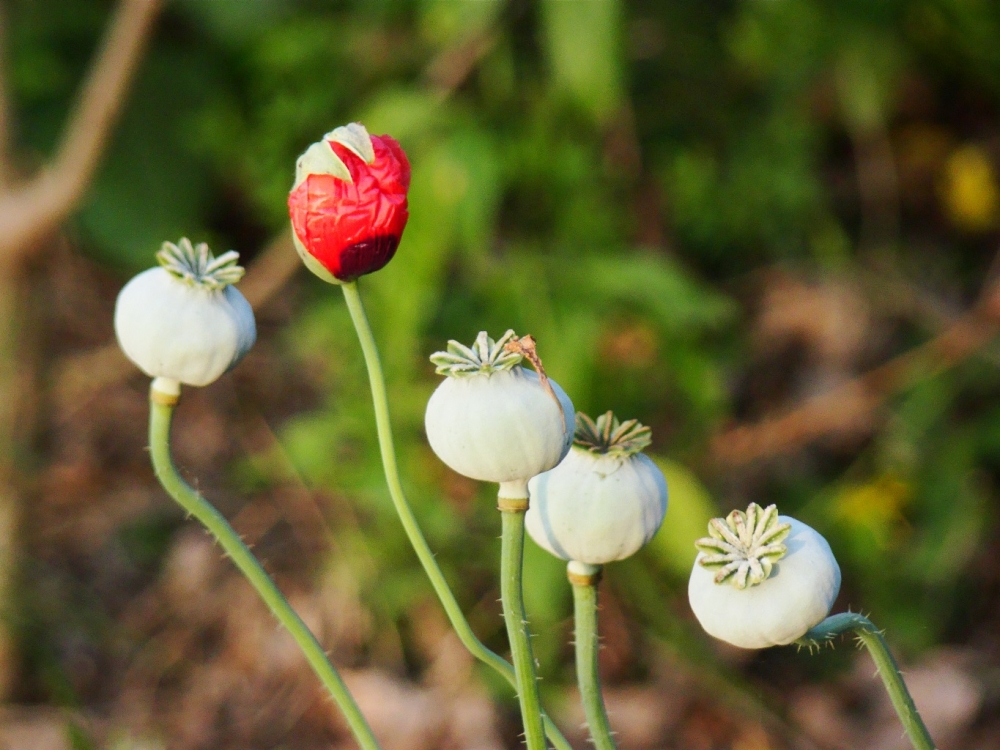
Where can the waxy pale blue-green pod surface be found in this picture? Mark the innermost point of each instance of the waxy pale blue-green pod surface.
(761, 579)
(604, 501)
(492, 419)
(184, 320)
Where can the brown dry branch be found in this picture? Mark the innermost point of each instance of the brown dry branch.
(5, 106)
(449, 69)
(853, 405)
(271, 270)
(29, 212)
(33, 209)
(878, 186)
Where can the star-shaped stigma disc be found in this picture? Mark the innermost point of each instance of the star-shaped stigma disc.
(743, 547)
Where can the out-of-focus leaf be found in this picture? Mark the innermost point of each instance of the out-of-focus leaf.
(407, 289)
(690, 508)
(964, 30)
(152, 188)
(651, 282)
(865, 75)
(876, 508)
(547, 601)
(764, 191)
(404, 113)
(443, 22)
(583, 45)
(235, 21)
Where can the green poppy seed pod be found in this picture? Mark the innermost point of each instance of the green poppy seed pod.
(493, 420)
(183, 320)
(605, 500)
(761, 579)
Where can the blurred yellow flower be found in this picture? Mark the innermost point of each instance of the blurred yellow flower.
(969, 190)
(876, 505)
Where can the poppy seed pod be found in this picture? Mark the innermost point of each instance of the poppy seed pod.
(493, 420)
(348, 204)
(761, 579)
(183, 320)
(605, 500)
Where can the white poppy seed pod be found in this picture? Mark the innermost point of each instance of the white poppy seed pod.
(605, 500)
(183, 321)
(495, 421)
(761, 579)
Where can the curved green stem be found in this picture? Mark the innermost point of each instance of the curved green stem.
(511, 565)
(160, 416)
(586, 644)
(451, 607)
(888, 670)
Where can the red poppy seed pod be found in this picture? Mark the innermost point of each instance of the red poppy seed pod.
(348, 203)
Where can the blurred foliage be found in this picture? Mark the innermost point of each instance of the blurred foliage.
(608, 177)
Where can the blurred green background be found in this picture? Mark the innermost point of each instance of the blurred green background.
(705, 212)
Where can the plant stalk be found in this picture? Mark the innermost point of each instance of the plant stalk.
(511, 570)
(423, 551)
(16, 424)
(888, 670)
(587, 645)
(160, 417)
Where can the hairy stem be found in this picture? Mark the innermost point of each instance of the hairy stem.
(888, 670)
(160, 416)
(444, 593)
(587, 676)
(511, 568)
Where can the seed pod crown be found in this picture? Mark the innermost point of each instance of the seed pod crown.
(610, 437)
(195, 264)
(743, 547)
(484, 356)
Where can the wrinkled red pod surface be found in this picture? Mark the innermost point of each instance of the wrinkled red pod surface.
(352, 228)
